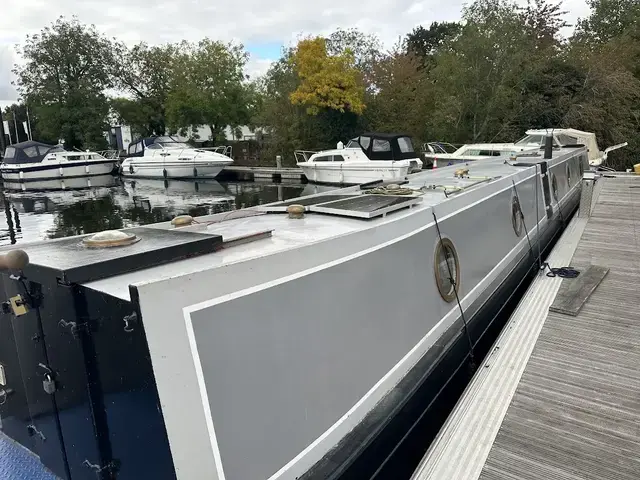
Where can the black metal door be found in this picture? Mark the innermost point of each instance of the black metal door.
(14, 410)
(37, 375)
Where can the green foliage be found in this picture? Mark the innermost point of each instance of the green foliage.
(208, 87)
(68, 68)
(145, 73)
(609, 19)
(424, 43)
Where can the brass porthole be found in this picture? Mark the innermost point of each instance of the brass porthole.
(447, 269)
(516, 216)
(554, 186)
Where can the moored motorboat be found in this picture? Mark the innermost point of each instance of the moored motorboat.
(167, 157)
(34, 161)
(367, 158)
(437, 154)
(295, 340)
(74, 183)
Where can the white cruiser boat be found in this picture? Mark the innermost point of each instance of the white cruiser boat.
(167, 157)
(296, 340)
(564, 137)
(439, 154)
(367, 158)
(34, 161)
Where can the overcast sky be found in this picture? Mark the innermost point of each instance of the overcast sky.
(262, 26)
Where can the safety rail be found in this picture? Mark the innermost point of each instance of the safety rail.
(109, 154)
(226, 150)
(439, 147)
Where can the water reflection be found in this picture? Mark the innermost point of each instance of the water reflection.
(51, 209)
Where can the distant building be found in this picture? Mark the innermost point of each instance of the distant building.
(119, 137)
(203, 133)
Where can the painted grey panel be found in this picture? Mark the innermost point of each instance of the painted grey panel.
(283, 364)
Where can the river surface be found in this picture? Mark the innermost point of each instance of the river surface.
(41, 210)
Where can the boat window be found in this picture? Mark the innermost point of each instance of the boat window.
(338, 158)
(365, 142)
(567, 139)
(516, 216)
(568, 174)
(323, 158)
(531, 140)
(353, 143)
(174, 144)
(381, 145)
(154, 146)
(31, 151)
(489, 153)
(43, 150)
(554, 187)
(581, 161)
(447, 269)
(405, 144)
(10, 152)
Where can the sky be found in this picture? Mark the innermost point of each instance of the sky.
(262, 26)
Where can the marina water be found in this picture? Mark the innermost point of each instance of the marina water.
(37, 214)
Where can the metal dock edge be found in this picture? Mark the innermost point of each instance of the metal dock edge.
(559, 396)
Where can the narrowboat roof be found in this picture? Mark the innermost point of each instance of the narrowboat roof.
(267, 229)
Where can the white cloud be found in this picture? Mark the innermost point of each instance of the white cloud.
(250, 22)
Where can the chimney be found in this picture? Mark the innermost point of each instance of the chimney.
(548, 146)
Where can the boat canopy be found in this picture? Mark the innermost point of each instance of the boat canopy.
(384, 146)
(163, 141)
(28, 152)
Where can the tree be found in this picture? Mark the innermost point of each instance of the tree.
(403, 100)
(609, 19)
(366, 50)
(326, 81)
(208, 87)
(478, 80)
(543, 22)
(145, 73)
(289, 126)
(68, 67)
(424, 43)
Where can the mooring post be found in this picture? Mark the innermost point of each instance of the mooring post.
(278, 162)
(2, 139)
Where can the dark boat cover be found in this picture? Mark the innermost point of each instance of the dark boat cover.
(28, 152)
(386, 146)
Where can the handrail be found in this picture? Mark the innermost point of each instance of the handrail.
(109, 154)
(226, 150)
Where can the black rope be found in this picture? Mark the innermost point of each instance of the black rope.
(455, 291)
(562, 272)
